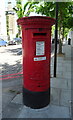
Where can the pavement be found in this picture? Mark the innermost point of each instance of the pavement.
(60, 97)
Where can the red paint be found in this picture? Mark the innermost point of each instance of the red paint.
(36, 74)
(10, 77)
(11, 74)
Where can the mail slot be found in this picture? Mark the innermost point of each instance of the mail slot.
(39, 34)
(36, 45)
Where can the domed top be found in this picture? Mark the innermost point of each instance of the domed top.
(36, 21)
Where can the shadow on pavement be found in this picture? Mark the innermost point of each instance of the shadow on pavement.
(13, 85)
(14, 50)
(10, 69)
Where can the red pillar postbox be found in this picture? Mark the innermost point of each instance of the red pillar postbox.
(36, 44)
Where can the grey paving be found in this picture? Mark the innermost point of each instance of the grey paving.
(55, 96)
(65, 97)
(12, 82)
(17, 99)
(67, 50)
(51, 111)
(6, 99)
(71, 111)
(0, 116)
(70, 84)
(61, 89)
(67, 75)
(0, 103)
(12, 111)
(59, 83)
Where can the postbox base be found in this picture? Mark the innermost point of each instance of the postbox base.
(36, 100)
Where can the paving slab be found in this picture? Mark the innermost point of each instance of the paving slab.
(55, 96)
(0, 116)
(67, 66)
(18, 99)
(12, 82)
(59, 75)
(6, 100)
(12, 90)
(65, 97)
(60, 58)
(0, 103)
(67, 50)
(51, 111)
(12, 111)
(8, 91)
(70, 84)
(71, 111)
(59, 83)
(0, 100)
(67, 75)
(60, 69)
(72, 96)
(58, 97)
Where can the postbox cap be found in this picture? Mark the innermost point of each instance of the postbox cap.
(36, 21)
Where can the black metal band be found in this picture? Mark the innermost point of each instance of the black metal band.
(36, 100)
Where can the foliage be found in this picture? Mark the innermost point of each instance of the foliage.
(18, 8)
(65, 13)
(65, 17)
(46, 8)
(24, 10)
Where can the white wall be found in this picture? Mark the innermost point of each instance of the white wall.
(3, 32)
